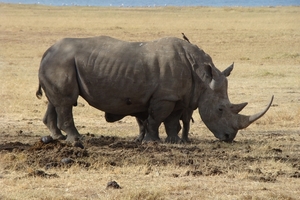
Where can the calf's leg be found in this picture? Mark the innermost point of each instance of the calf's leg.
(173, 127)
(158, 112)
(142, 129)
(186, 119)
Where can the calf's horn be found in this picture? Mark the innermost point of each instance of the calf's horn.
(245, 121)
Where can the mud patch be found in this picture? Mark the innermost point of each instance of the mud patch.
(13, 146)
(201, 157)
(124, 145)
(99, 141)
(295, 175)
(271, 179)
(193, 173)
(40, 173)
(52, 154)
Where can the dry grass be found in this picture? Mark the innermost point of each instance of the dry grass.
(264, 43)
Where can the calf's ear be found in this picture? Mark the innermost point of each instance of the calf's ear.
(228, 70)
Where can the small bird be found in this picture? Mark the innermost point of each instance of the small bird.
(184, 37)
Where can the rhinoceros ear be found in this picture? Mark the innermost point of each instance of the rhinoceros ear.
(228, 70)
(211, 71)
(208, 72)
(217, 79)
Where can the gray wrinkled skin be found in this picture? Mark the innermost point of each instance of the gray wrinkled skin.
(165, 79)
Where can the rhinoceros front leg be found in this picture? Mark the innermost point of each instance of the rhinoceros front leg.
(65, 122)
(173, 127)
(50, 120)
(158, 112)
(185, 131)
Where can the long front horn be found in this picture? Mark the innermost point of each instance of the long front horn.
(245, 121)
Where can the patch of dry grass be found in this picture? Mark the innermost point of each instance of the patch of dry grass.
(153, 186)
(264, 43)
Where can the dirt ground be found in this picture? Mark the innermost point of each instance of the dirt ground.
(25, 158)
(262, 163)
(116, 151)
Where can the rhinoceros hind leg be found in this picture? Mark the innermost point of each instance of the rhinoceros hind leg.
(151, 133)
(65, 122)
(50, 120)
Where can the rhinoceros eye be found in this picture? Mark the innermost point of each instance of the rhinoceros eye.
(219, 112)
(221, 109)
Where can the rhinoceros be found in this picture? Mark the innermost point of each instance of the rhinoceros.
(159, 78)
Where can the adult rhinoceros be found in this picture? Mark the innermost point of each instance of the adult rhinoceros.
(129, 78)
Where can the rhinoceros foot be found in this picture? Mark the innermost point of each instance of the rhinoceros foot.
(185, 140)
(73, 137)
(139, 139)
(173, 139)
(58, 136)
(151, 138)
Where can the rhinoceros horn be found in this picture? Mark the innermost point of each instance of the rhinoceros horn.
(236, 108)
(245, 121)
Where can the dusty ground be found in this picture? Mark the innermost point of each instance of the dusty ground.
(267, 165)
(262, 163)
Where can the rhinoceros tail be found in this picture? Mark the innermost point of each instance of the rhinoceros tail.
(39, 92)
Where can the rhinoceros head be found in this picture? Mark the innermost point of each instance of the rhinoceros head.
(220, 116)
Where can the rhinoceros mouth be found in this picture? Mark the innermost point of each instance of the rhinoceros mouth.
(224, 135)
(227, 137)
